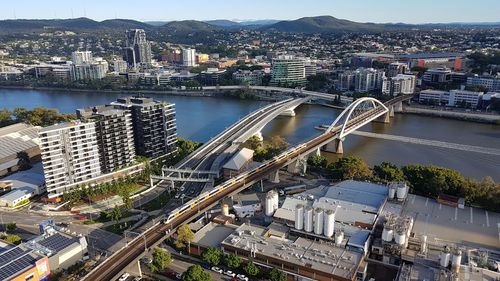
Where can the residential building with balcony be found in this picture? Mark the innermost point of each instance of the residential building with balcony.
(154, 125)
(70, 154)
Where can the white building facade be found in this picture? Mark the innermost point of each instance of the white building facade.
(189, 57)
(70, 154)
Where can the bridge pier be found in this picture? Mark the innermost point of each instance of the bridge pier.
(274, 177)
(398, 107)
(335, 146)
(383, 119)
(299, 166)
(391, 111)
(289, 112)
(318, 152)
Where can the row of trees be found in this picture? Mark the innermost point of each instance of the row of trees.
(38, 116)
(265, 150)
(427, 181)
(121, 186)
(215, 257)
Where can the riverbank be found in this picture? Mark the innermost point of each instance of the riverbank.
(173, 92)
(462, 116)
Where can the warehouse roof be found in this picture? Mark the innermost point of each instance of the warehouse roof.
(16, 138)
(239, 159)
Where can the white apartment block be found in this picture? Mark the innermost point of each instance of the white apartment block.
(288, 71)
(400, 84)
(368, 79)
(81, 57)
(70, 155)
(189, 57)
(451, 98)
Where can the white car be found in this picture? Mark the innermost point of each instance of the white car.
(177, 196)
(124, 276)
(216, 269)
(229, 273)
(242, 277)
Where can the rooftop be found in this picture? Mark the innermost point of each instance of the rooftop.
(321, 256)
(212, 234)
(16, 260)
(239, 159)
(469, 226)
(16, 138)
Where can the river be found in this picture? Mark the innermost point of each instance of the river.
(200, 118)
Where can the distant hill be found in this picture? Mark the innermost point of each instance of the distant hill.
(156, 23)
(324, 24)
(77, 24)
(223, 23)
(189, 26)
(258, 22)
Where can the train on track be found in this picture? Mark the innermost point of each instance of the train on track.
(193, 203)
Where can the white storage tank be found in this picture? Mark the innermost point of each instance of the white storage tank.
(339, 237)
(392, 192)
(299, 216)
(456, 260)
(400, 236)
(444, 259)
(269, 206)
(308, 219)
(401, 191)
(275, 199)
(318, 221)
(423, 247)
(388, 232)
(225, 209)
(329, 226)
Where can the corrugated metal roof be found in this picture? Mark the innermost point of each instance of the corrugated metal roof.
(239, 159)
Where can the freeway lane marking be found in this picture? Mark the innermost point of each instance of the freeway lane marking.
(471, 218)
(487, 219)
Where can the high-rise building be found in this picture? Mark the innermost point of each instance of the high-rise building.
(396, 68)
(189, 57)
(368, 79)
(137, 49)
(94, 70)
(120, 66)
(114, 133)
(288, 71)
(154, 122)
(70, 155)
(345, 81)
(399, 84)
(81, 57)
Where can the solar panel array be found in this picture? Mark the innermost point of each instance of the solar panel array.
(16, 260)
(57, 242)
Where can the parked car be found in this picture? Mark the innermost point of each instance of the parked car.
(137, 279)
(146, 260)
(216, 269)
(242, 277)
(124, 276)
(178, 276)
(229, 273)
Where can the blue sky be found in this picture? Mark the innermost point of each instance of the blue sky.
(415, 11)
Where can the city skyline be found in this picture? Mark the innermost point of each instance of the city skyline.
(446, 11)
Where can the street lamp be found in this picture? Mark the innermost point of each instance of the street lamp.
(138, 234)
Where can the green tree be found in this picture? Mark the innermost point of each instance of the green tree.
(5, 117)
(232, 261)
(277, 275)
(116, 214)
(184, 236)
(11, 226)
(318, 161)
(432, 180)
(212, 256)
(196, 273)
(251, 269)
(253, 143)
(13, 239)
(387, 172)
(350, 168)
(24, 161)
(161, 259)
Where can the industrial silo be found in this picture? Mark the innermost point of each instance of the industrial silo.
(329, 226)
(318, 221)
(308, 219)
(269, 204)
(299, 216)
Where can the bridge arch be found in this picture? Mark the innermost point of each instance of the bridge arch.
(356, 110)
